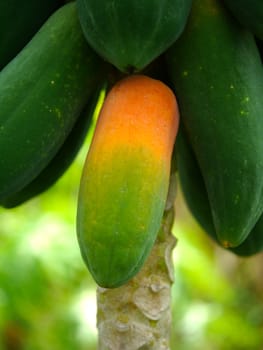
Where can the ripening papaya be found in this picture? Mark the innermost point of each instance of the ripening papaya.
(125, 179)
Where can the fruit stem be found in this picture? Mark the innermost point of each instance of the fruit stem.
(138, 315)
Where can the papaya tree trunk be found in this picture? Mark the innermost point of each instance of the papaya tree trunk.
(137, 315)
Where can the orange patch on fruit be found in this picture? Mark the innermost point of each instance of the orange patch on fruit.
(139, 112)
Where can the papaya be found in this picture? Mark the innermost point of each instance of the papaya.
(253, 244)
(125, 178)
(19, 21)
(62, 160)
(196, 198)
(42, 93)
(249, 13)
(192, 183)
(260, 48)
(131, 34)
(218, 80)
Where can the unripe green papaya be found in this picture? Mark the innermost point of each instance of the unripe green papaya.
(131, 34)
(196, 198)
(61, 161)
(42, 92)
(217, 74)
(19, 21)
(249, 13)
(125, 179)
(260, 48)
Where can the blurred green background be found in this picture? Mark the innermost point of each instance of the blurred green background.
(47, 297)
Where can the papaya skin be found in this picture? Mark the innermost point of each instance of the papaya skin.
(131, 34)
(218, 81)
(125, 178)
(196, 198)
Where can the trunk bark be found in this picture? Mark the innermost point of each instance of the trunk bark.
(138, 315)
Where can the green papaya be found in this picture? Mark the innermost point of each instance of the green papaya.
(249, 13)
(19, 21)
(131, 34)
(61, 161)
(218, 79)
(260, 48)
(196, 198)
(125, 179)
(192, 183)
(42, 92)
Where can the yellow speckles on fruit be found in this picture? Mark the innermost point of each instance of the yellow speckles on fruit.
(237, 199)
(230, 91)
(142, 228)
(245, 100)
(48, 108)
(185, 73)
(243, 104)
(53, 110)
(58, 112)
(52, 82)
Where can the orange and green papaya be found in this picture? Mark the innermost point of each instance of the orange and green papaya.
(125, 178)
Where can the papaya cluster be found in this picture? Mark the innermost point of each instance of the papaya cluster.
(55, 58)
(49, 83)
